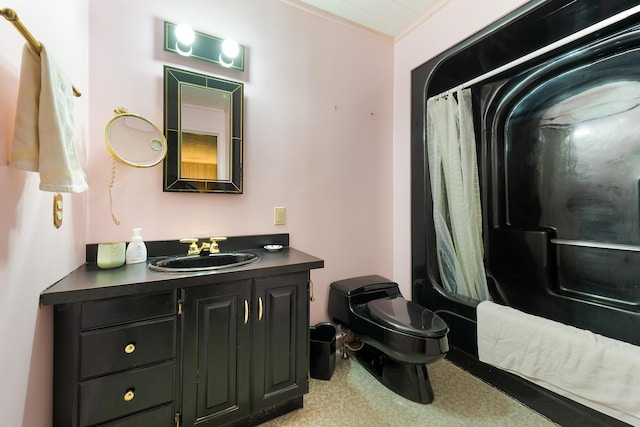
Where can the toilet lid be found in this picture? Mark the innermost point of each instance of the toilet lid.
(408, 317)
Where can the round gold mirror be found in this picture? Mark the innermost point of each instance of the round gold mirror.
(134, 140)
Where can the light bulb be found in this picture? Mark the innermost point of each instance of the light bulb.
(230, 48)
(221, 60)
(185, 37)
(185, 34)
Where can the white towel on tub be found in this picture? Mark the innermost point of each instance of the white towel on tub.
(599, 372)
(45, 125)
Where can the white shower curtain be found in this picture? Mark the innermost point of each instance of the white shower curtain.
(457, 215)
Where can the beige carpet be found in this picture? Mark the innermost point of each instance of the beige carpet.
(353, 397)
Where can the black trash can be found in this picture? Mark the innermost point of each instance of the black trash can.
(322, 349)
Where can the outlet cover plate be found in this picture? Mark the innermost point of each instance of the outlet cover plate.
(279, 216)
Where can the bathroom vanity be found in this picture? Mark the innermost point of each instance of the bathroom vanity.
(135, 347)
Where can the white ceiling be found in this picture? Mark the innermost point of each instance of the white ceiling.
(390, 17)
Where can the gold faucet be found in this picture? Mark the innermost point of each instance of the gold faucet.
(211, 247)
(214, 249)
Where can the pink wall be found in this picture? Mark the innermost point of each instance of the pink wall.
(318, 137)
(321, 100)
(454, 22)
(33, 254)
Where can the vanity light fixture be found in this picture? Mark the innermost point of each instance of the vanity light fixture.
(181, 39)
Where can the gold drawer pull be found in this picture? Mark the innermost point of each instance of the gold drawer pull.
(246, 311)
(259, 308)
(128, 396)
(130, 348)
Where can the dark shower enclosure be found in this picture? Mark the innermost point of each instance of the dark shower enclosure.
(558, 140)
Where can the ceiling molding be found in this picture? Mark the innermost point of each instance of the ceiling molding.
(391, 19)
(333, 17)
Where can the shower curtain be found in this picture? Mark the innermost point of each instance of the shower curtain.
(457, 215)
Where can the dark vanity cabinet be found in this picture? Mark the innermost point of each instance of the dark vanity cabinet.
(116, 359)
(280, 340)
(137, 348)
(244, 349)
(217, 350)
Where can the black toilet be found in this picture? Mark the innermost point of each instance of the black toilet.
(400, 337)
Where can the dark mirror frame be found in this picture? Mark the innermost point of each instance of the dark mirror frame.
(174, 80)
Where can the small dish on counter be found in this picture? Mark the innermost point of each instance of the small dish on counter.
(273, 248)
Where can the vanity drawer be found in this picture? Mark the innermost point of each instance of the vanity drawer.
(115, 311)
(114, 396)
(123, 347)
(164, 416)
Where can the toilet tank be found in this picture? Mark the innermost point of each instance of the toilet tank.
(347, 295)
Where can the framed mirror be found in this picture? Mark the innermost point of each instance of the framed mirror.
(203, 127)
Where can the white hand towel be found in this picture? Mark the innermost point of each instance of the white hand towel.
(45, 125)
(24, 152)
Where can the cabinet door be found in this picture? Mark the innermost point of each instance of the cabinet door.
(216, 346)
(281, 326)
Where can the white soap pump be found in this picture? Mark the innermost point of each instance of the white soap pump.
(137, 250)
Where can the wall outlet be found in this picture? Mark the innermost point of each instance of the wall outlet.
(279, 216)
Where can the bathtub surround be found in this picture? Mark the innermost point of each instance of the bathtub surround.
(558, 179)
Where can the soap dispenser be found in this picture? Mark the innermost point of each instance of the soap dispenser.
(137, 250)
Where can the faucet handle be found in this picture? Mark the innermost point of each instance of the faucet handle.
(193, 245)
(214, 244)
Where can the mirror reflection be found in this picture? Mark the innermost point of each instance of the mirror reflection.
(205, 114)
(203, 124)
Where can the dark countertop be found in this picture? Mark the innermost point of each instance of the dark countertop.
(88, 282)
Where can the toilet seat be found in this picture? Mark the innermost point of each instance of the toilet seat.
(408, 317)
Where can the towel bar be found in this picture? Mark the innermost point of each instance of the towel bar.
(11, 16)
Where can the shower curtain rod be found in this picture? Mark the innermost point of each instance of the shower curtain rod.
(536, 53)
(11, 16)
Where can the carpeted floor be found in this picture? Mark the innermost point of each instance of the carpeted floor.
(353, 397)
